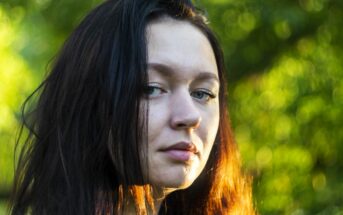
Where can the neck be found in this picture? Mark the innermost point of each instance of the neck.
(159, 196)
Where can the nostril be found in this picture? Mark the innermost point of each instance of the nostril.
(181, 125)
(185, 123)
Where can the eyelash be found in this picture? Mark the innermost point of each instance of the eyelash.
(204, 92)
(152, 87)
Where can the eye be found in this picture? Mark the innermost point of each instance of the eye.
(153, 91)
(203, 95)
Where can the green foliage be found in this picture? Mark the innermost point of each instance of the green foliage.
(3, 208)
(284, 61)
(16, 82)
(285, 76)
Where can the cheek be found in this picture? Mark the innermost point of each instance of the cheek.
(210, 128)
(211, 122)
(156, 121)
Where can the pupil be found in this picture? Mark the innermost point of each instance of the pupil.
(198, 94)
(150, 90)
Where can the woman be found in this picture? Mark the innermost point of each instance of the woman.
(132, 120)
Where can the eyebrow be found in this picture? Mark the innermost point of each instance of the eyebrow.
(168, 72)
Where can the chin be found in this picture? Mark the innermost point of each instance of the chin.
(173, 180)
(175, 185)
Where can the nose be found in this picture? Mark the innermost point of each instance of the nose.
(184, 112)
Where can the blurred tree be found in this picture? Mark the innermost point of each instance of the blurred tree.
(15, 82)
(284, 61)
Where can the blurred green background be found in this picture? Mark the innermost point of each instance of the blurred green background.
(284, 61)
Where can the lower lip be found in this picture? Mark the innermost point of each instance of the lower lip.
(180, 155)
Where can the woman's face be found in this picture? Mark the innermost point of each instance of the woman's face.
(182, 94)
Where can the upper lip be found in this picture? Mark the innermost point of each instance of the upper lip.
(184, 146)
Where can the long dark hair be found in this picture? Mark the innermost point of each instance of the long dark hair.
(85, 132)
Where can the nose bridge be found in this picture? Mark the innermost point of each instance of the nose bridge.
(184, 112)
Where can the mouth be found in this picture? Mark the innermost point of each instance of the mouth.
(181, 151)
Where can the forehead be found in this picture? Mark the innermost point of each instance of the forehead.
(180, 45)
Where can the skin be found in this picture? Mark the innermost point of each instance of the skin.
(182, 96)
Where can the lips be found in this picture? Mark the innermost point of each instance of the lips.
(183, 146)
(182, 151)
